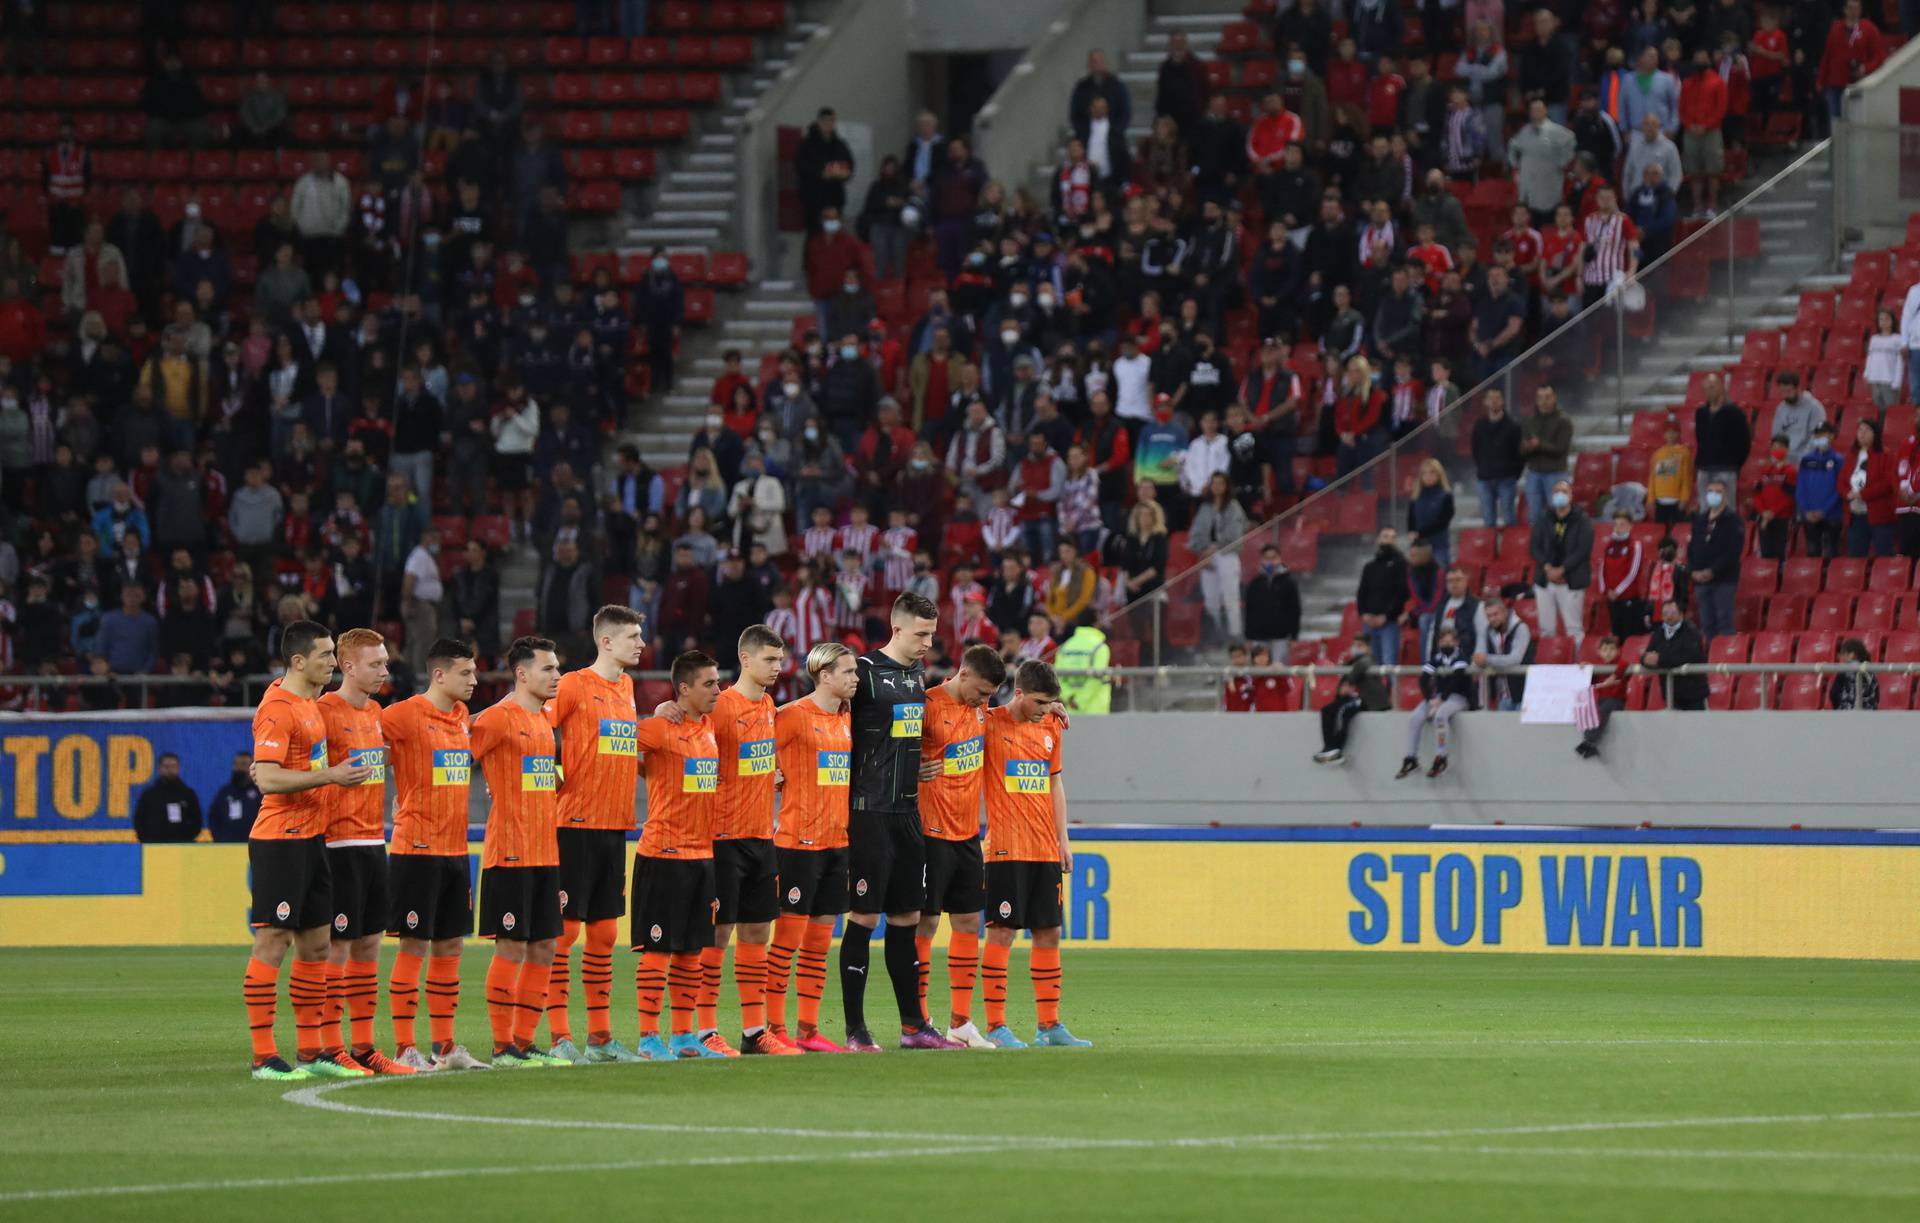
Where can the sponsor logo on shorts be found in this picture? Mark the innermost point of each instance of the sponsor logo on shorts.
(339, 921)
(860, 888)
(617, 737)
(537, 774)
(655, 933)
(452, 766)
(1028, 777)
(907, 716)
(700, 776)
(793, 896)
(506, 921)
(413, 919)
(283, 911)
(1006, 908)
(756, 758)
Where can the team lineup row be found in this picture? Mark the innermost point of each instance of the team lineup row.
(765, 825)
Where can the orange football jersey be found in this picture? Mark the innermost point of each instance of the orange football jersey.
(953, 735)
(743, 733)
(683, 777)
(289, 731)
(431, 754)
(816, 756)
(356, 813)
(514, 749)
(600, 762)
(1022, 762)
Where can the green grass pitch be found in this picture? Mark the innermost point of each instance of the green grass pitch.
(1223, 1085)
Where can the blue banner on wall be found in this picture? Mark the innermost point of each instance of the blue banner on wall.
(64, 775)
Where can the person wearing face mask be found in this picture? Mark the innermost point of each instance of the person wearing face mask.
(1272, 603)
(1773, 500)
(851, 309)
(1816, 494)
(1561, 548)
(1677, 643)
(1382, 597)
(1623, 578)
(789, 404)
(1713, 559)
(1008, 349)
(852, 391)
(1448, 689)
(230, 814)
(660, 305)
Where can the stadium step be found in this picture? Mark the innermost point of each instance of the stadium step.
(704, 203)
(693, 236)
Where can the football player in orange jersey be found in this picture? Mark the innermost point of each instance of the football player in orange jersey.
(520, 867)
(1026, 851)
(429, 870)
(287, 856)
(952, 752)
(357, 850)
(814, 741)
(599, 776)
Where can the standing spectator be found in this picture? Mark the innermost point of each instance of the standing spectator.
(1430, 511)
(1460, 609)
(1180, 89)
(67, 174)
(1623, 578)
(1885, 355)
(1141, 551)
(660, 306)
(397, 529)
(167, 811)
(1508, 643)
(177, 505)
(230, 813)
(1654, 211)
(322, 210)
(565, 600)
(823, 164)
(1360, 689)
(1609, 695)
(1910, 335)
(954, 196)
(1497, 461)
(1218, 526)
(1854, 50)
(1561, 547)
(1038, 483)
(535, 167)
(1274, 172)
(1703, 110)
(1448, 690)
(1853, 689)
(1650, 146)
(1105, 145)
(1649, 90)
(1676, 643)
(1272, 604)
(473, 602)
(129, 638)
(263, 113)
(1499, 324)
(1071, 586)
(1540, 153)
(498, 103)
(1670, 477)
(883, 218)
(1357, 417)
(420, 593)
(1722, 438)
(175, 109)
(1773, 501)
(834, 259)
(1546, 441)
(1100, 83)
(419, 423)
(1868, 484)
(1797, 416)
(1382, 597)
(977, 457)
(1613, 246)
(1713, 559)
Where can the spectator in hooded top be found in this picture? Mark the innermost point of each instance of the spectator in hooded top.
(1272, 604)
(823, 165)
(1382, 597)
(1100, 83)
(1180, 89)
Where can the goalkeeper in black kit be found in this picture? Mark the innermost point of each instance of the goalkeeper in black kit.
(885, 848)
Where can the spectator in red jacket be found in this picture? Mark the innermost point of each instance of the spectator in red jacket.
(1609, 694)
(831, 253)
(1854, 49)
(1267, 141)
(1238, 697)
(1867, 484)
(1703, 152)
(1623, 578)
(22, 329)
(1271, 693)
(1356, 415)
(1773, 503)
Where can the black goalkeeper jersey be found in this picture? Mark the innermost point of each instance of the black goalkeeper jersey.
(888, 708)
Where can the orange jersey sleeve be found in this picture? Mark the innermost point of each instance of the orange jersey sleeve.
(431, 755)
(952, 736)
(683, 779)
(514, 749)
(289, 731)
(815, 750)
(1022, 762)
(599, 759)
(743, 734)
(356, 813)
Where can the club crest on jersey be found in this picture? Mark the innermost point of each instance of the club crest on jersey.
(716, 910)
(654, 934)
(506, 921)
(283, 910)
(413, 919)
(793, 896)
(860, 888)
(1006, 908)
(339, 921)
(563, 900)
(1046, 742)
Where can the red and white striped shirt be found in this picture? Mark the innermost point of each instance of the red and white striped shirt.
(860, 539)
(850, 598)
(959, 595)
(1611, 239)
(1002, 528)
(897, 546)
(817, 541)
(815, 616)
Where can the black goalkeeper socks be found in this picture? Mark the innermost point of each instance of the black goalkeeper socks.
(903, 968)
(854, 940)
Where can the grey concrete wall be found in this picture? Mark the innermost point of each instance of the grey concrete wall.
(938, 27)
(1757, 769)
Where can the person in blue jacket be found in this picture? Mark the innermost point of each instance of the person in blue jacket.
(1816, 495)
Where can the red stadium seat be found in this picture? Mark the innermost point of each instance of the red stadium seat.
(613, 88)
(1846, 574)
(1832, 612)
(1890, 575)
(1799, 575)
(727, 269)
(1873, 612)
(631, 164)
(689, 266)
(1729, 648)
(1803, 692)
(699, 304)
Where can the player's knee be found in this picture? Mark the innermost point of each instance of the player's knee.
(442, 946)
(963, 923)
(754, 932)
(1000, 936)
(930, 925)
(270, 945)
(903, 920)
(1050, 937)
(367, 948)
(541, 952)
(868, 920)
(313, 944)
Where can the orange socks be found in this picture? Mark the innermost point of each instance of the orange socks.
(403, 998)
(307, 987)
(596, 978)
(750, 978)
(707, 996)
(559, 1028)
(649, 983)
(788, 932)
(443, 998)
(963, 964)
(1044, 965)
(923, 952)
(993, 979)
(684, 971)
(529, 996)
(334, 1009)
(503, 978)
(813, 973)
(362, 989)
(260, 988)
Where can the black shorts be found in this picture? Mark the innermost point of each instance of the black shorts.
(432, 896)
(292, 883)
(886, 862)
(1024, 895)
(746, 879)
(593, 873)
(813, 882)
(673, 904)
(956, 878)
(520, 903)
(360, 900)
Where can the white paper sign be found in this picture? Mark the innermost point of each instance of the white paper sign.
(1551, 691)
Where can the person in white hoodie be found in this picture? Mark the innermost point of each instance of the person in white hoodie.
(322, 209)
(515, 426)
(1206, 454)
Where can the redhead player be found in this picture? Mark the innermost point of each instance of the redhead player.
(287, 857)
(357, 850)
(814, 738)
(952, 750)
(520, 867)
(599, 777)
(430, 878)
(674, 901)
(1026, 851)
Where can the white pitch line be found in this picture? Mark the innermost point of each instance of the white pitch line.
(1604, 1042)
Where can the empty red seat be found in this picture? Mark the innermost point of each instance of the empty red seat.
(676, 15)
(1800, 575)
(1760, 348)
(729, 268)
(1802, 692)
(700, 302)
(1873, 611)
(1870, 270)
(1730, 648)
(1831, 612)
(572, 88)
(1816, 308)
(625, 125)
(1832, 383)
(1891, 574)
(669, 125)
(689, 266)
(649, 52)
(1239, 38)
(1896, 692)
(1846, 574)
(700, 88)
(1475, 546)
(587, 163)
(633, 163)
(613, 88)
(1802, 345)
(1758, 577)
(606, 52)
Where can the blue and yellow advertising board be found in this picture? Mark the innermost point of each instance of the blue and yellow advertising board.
(1824, 895)
(61, 775)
